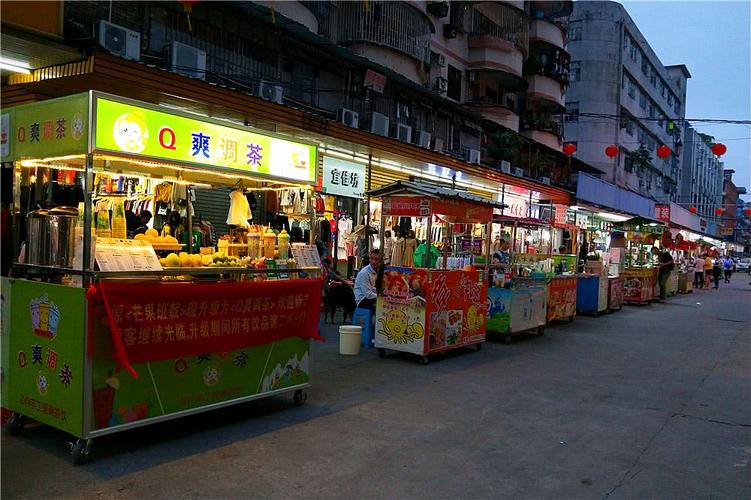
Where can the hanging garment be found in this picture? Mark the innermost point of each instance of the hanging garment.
(239, 210)
(320, 204)
(388, 247)
(397, 252)
(324, 230)
(163, 193)
(424, 257)
(410, 244)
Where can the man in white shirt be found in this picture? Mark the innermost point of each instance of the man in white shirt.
(365, 282)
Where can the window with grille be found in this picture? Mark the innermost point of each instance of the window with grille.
(572, 112)
(575, 71)
(454, 83)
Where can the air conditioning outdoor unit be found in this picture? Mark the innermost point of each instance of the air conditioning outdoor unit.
(403, 132)
(438, 9)
(424, 139)
(348, 117)
(118, 40)
(545, 180)
(441, 84)
(517, 172)
(379, 124)
(270, 92)
(505, 167)
(438, 145)
(186, 60)
(472, 156)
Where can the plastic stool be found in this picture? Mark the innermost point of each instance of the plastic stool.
(364, 318)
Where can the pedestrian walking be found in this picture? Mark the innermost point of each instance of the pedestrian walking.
(727, 266)
(707, 270)
(666, 266)
(698, 271)
(717, 272)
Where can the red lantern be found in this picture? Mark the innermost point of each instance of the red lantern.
(692, 210)
(569, 149)
(663, 152)
(611, 151)
(719, 149)
(747, 212)
(718, 211)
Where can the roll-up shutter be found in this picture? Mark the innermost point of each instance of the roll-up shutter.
(213, 205)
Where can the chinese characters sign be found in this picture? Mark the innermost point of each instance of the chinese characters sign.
(343, 178)
(153, 321)
(51, 128)
(458, 211)
(137, 130)
(663, 212)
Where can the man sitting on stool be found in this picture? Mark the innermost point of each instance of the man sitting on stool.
(365, 282)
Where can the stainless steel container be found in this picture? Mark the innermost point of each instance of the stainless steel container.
(38, 238)
(62, 229)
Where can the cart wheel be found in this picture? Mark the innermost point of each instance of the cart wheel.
(381, 352)
(81, 451)
(423, 360)
(540, 331)
(15, 424)
(507, 339)
(478, 346)
(300, 397)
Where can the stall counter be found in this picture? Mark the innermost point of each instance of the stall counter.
(561, 298)
(639, 284)
(518, 309)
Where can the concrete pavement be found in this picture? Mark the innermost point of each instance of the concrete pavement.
(651, 401)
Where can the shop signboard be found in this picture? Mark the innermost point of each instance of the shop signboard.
(45, 354)
(407, 206)
(57, 127)
(343, 178)
(127, 128)
(374, 81)
(663, 212)
(461, 211)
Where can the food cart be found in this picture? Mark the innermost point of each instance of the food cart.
(640, 274)
(592, 288)
(517, 295)
(100, 334)
(440, 302)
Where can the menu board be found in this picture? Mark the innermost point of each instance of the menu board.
(126, 255)
(306, 255)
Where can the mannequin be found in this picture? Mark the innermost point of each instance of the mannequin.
(397, 251)
(388, 246)
(410, 244)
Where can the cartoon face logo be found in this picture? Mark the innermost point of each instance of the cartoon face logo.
(42, 384)
(474, 320)
(130, 133)
(396, 327)
(211, 376)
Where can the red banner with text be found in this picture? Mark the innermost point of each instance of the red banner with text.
(158, 321)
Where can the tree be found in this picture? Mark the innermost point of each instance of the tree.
(505, 145)
(641, 158)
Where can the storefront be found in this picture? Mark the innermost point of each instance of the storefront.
(638, 236)
(435, 299)
(107, 333)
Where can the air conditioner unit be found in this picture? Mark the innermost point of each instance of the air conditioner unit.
(403, 132)
(438, 9)
(438, 145)
(545, 180)
(348, 117)
(441, 85)
(379, 124)
(517, 172)
(472, 156)
(118, 40)
(186, 60)
(424, 139)
(270, 92)
(505, 167)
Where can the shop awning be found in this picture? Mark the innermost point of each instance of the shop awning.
(419, 189)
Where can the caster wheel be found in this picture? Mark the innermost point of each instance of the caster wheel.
(478, 346)
(300, 397)
(15, 424)
(381, 353)
(541, 331)
(423, 360)
(507, 339)
(81, 451)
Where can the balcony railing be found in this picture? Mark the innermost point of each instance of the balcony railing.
(396, 25)
(547, 61)
(497, 20)
(540, 122)
(479, 96)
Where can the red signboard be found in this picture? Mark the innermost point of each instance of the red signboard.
(457, 210)
(157, 321)
(457, 309)
(408, 206)
(663, 212)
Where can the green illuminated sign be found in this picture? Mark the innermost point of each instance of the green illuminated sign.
(136, 130)
(51, 128)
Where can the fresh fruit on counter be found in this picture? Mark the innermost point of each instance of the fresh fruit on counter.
(184, 259)
(153, 237)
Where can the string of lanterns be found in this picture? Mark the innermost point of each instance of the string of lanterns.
(663, 151)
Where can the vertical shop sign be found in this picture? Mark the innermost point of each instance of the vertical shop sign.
(663, 212)
(343, 178)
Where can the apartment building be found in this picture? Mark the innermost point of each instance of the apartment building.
(702, 176)
(621, 94)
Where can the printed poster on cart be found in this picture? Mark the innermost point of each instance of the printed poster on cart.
(401, 309)
(457, 309)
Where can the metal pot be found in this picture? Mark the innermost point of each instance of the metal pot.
(62, 229)
(37, 238)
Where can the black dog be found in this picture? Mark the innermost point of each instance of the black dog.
(339, 296)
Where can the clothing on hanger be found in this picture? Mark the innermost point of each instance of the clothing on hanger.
(239, 210)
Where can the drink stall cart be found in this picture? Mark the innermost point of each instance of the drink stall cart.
(640, 273)
(440, 302)
(517, 294)
(99, 334)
